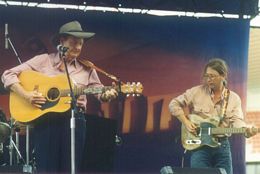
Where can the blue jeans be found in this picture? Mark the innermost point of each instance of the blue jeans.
(208, 157)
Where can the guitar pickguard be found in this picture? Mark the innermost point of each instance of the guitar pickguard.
(49, 104)
(202, 137)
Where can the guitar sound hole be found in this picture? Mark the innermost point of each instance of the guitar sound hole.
(53, 94)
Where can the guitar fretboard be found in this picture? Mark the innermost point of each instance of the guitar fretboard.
(231, 130)
(83, 90)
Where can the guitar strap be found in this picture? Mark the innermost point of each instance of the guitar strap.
(88, 64)
(224, 104)
(85, 63)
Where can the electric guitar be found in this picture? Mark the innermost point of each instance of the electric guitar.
(205, 133)
(56, 91)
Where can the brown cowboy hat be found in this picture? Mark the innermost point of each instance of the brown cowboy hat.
(71, 28)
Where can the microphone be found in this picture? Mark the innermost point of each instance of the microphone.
(62, 49)
(6, 36)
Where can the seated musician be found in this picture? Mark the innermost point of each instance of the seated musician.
(211, 102)
(52, 130)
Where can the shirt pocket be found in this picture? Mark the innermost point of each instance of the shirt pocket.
(80, 80)
(200, 114)
(200, 109)
(206, 115)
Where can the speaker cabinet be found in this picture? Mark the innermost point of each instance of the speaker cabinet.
(12, 169)
(176, 170)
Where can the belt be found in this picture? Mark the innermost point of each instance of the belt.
(219, 139)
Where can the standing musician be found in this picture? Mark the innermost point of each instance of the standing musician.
(211, 102)
(52, 131)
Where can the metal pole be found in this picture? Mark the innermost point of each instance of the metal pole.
(27, 168)
(72, 145)
(17, 146)
(11, 144)
(27, 144)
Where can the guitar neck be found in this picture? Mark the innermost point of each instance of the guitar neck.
(128, 88)
(231, 130)
(83, 90)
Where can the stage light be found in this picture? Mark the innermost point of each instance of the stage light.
(14, 3)
(64, 6)
(165, 13)
(96, 8)
(32, 4)
(3, 3)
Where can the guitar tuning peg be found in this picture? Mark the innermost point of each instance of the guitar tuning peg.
(133, 95)
(127, 95)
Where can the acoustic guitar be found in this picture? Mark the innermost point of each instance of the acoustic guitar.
(56, 91)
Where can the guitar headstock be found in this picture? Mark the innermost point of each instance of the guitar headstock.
(134, 89)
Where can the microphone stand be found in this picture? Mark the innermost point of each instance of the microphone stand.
(26, 166)
(73, 112)
(12, 46)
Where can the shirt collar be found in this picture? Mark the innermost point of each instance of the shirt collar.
(222, 93)
(57, 61)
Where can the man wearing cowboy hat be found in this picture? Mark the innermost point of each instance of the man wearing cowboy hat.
(52, 131)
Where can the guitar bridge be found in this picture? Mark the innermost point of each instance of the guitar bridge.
(193, 141)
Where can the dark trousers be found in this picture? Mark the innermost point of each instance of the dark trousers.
(52, 142)
(208, 157)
